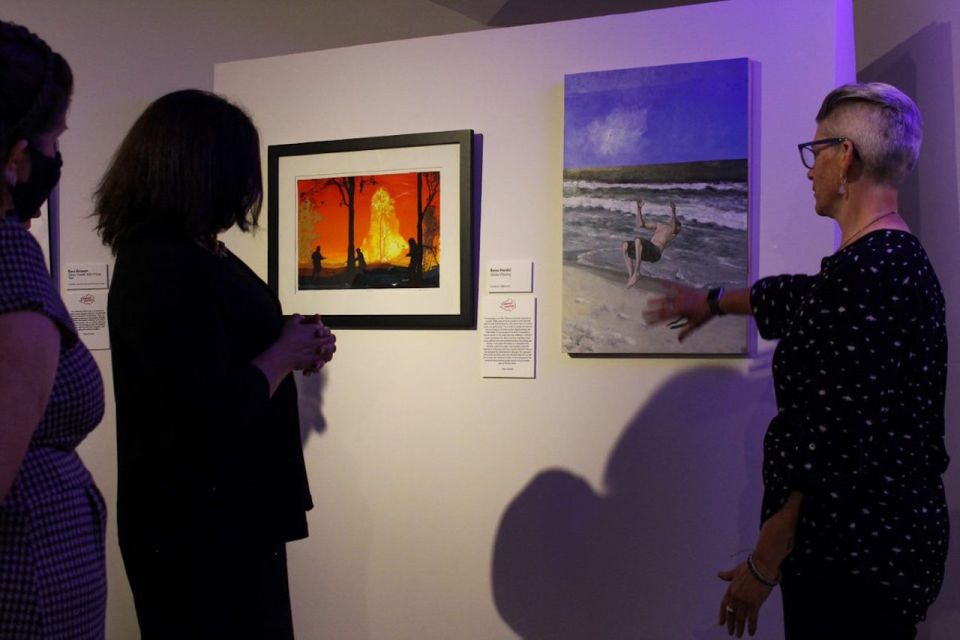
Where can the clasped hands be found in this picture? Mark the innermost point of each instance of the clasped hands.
(311, 342)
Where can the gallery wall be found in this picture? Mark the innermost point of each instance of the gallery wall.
(599, 499)
(410, 501)
(914, 46)
(125, 54)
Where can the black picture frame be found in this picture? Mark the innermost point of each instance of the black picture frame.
(381, 297)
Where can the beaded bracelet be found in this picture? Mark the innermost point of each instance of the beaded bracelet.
(759, 577)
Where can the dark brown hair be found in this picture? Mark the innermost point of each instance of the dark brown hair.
(35, 85)
(189, 166)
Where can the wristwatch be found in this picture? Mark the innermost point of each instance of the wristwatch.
(713, 301)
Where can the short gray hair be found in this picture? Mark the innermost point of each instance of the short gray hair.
(883, 123)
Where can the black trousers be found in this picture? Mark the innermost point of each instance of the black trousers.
(211, 591)
(830, 606)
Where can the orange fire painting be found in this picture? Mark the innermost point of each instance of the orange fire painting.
(369, 231)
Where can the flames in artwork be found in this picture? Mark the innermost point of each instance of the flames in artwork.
(373, 231)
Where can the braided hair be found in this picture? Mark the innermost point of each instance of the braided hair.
(35, 85)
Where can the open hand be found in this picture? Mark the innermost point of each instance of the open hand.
(679, 302)
(740, 606)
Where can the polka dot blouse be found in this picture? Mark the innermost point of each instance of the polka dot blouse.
(860, 377)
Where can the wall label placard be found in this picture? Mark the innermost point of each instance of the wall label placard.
(81, 277)
(510, 276)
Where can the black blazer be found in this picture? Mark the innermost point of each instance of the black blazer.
(203, 450)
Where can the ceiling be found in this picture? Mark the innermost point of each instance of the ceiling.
(509, 13)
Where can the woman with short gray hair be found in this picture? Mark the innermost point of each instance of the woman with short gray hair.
(885, 123)
(854, 515)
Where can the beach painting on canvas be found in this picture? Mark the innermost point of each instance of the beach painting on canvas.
(655, 190)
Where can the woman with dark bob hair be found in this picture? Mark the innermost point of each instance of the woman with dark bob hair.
(854, 515)
(212, 482)
(52, 517)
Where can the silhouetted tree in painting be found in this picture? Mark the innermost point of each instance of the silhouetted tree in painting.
(428, 188)
(347, 186)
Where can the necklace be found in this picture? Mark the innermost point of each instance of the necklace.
(214, 246)
(864, 228)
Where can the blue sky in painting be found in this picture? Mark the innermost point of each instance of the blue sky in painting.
(656, 115)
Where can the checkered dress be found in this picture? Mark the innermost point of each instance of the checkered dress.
(52, 523)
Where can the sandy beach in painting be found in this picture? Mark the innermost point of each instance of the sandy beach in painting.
(600, 315)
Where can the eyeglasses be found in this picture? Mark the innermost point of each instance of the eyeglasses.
(808, 155)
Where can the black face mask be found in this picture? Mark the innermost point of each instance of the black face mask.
(44, 176)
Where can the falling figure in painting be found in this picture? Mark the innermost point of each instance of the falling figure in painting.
(317, 258)
(640, 249)
(413, 269)
(361, 261)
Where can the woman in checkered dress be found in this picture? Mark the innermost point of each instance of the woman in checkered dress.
(52, 518)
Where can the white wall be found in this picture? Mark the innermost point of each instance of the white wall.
(413, 502)
(643, 474)
(126, 53)
(913, 44)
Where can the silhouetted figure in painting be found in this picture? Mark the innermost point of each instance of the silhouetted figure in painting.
(415, 252)
(361, 261)
(317, 258)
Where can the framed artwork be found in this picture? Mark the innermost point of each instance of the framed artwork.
(374, 232)
(655, 191)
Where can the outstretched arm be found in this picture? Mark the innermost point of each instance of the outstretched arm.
(691, 304)
(640, 221)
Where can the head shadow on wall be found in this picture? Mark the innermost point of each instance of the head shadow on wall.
(639, 559)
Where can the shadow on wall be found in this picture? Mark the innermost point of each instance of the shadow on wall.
(922, 66)
(310, 398)
(639, 561)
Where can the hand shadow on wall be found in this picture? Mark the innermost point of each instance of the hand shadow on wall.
(309, 400)
(682, 493)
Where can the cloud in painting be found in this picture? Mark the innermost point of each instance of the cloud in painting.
(617, 132)
(691, 112)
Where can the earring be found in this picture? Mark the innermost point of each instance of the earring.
(842, 190)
